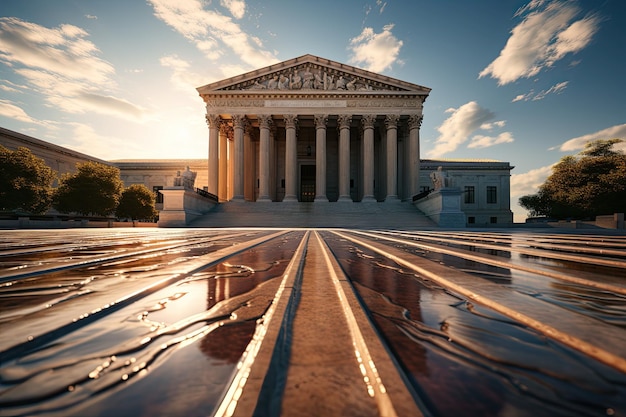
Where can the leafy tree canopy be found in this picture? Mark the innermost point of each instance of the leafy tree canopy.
(586, 185)
(137, 202)
(93, 189)
(25, 181)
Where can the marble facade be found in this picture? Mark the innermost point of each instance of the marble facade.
(310, 129)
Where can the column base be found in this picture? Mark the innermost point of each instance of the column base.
(393, 199)
(264, 199)
(368, 199)
(321, 199)
(344, 199)
(238, 199)
(290, 199)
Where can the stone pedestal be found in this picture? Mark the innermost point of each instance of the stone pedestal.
(181, 206)
(443, 206)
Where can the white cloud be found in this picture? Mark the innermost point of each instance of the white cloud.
(63, 66)
(375, 51)
(531, 95)
(480, 141)
(11, 111)
(490, 126)
(182, 77)
(457, 128)
(524, 184)
(236, 7)
(546, 34)
(208, 29)
(613, 132)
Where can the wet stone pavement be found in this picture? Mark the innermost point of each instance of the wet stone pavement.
(311, 322)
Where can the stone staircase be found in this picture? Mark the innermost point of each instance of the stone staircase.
(395, 215)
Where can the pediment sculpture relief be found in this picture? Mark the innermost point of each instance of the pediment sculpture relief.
(310, 78)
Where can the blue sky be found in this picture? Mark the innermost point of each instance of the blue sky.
(526, 82)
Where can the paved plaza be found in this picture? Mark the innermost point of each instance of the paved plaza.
(305, 321)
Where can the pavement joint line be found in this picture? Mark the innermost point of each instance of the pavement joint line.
(242, 396)
(358, 326)
(592, 350)
(494, 261)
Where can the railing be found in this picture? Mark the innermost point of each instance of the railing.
(207, 194)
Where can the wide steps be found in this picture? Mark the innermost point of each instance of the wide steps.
(397, 215)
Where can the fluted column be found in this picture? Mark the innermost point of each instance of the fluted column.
(391, 121)
(368, 158)
(320, 158)
(213, 121)
(344, 157)
(238, 161)
(291, 158)
(264, 158)
(415, 121)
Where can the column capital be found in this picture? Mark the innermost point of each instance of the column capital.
(415, 121)
(291, 121)
(213, 120)
(344, 121)
(227, 130)
(239, 121)
(265, 121)
(368, 121)
(391, 121)
(320, 121)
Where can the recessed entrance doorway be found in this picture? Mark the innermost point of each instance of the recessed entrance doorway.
(307, 183)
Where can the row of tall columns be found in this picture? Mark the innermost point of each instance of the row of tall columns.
(218, 156)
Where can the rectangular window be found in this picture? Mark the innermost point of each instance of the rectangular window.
(158, 195)
(471, 219)
(469, 194)
(493, 220)
(492, 194)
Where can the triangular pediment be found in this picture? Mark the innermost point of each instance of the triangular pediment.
(310, 73)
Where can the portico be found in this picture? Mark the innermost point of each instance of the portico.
(310, 129)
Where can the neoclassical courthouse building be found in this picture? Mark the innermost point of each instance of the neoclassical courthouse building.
(311, 130)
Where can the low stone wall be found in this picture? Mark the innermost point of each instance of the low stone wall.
(443, 207)
(28, 223)
(182, 206)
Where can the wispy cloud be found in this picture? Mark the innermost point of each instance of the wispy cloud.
(613, 132)
(183, 78)
(12, 111)
(210, 30)
(462, 123)
(482, 141)
(547, 33)
(524, 184)
(375, 51)
(531, 95)
(63, 66)
(236, 7)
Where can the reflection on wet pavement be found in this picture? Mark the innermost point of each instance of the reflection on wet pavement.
(169, 322)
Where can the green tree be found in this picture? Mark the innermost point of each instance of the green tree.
(583, 186)
(25, 181)
(93, 189)
(137, 202)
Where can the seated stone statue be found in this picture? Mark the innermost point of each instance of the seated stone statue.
(439, 179)
(188, 179)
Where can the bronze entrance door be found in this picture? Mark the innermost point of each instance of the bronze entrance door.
(307, 183)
